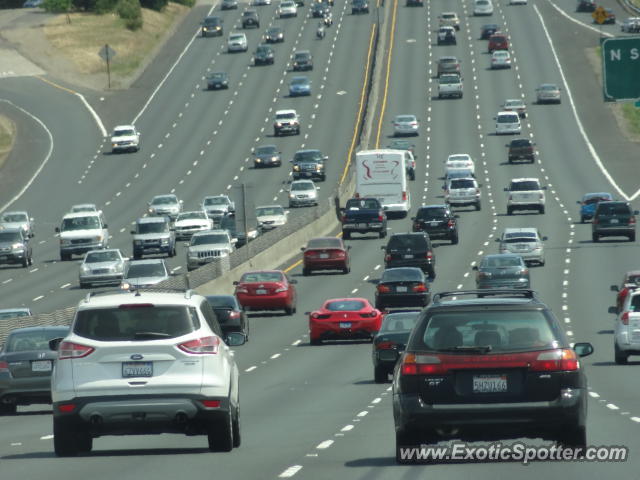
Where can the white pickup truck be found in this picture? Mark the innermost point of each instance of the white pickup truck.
(125, 138)
(450, 85)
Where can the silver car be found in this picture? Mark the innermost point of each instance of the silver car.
(168, 205)
(271, 216)
(502, 270)
(84, 207)
(205, 247)
(405, 125)
(548, 93)
(303, 193)
(145, 273)
(525, 242)
(217, 206)
(19, 220)
(102, 267)
(237, 43)
(189, 223)
(7, 313)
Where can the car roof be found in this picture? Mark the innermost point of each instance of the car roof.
(530, 179)
(147, 261)
(307, 150)
(15, 212)
(139, 297)
(287, 111)
(38, 329)
(210, 232)
(81, 214)
(152, 220)
(303, 181)
(15, 309)
(512, 230)
(597, 194)
(506, 112)
(122, 127)
(448, 57)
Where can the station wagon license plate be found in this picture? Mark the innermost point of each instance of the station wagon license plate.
(489, 383)
(137, 369)
(41, 366)
(345, 324)
(261, 291)
(614, 220)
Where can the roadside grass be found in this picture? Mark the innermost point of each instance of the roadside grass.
(631, 115)
(7, 136)
(82, 38)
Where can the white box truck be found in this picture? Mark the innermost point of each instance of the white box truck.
(382, 174)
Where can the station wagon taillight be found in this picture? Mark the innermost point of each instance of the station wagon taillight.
(556, 360)
(201, 346)
(385, 345)
(429, 255)
(413, 364)
(73, 350)
(210, 403)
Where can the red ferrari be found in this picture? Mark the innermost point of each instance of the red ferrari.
(266, 290)
(325, 253)
(344, 319)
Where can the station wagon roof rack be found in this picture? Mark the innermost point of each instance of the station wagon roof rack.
(493, 292)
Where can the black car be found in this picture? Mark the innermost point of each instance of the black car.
(274, 35)
(415, 3)
(217, 80)
(614, 219)
(410, 250)
(586, 6)
(15, 247)
(309, 164)
(402, 287)
(229, 313)
(521, 149)
(390, 341)
(229, 5)
(212, 27)
(302, 61)
(482, 369)
(318, 9)
(438, 221)
(264, 55)
(359, 6)
(266, 156)
(250, 19)
(487, 30)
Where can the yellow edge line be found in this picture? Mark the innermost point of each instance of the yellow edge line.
(68, 90)
(364, 88)
(386, 82)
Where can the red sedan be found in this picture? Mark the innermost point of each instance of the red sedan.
(266, 290)
(631, 281)
(343, 319)
(325, 253)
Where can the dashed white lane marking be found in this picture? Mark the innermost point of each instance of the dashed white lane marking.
(250, 369)
(65, 285)
(274, 356)
(291, 471)
(296, 343)
(376, 400)
(325, 444)
(362, 413)
(39, 297)
(16, 444)
(46, 437)
(346, 428)
(611, 406)
(4, 282)
(636, 419)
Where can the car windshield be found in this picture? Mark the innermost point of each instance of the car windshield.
(302, 56)
(345, 305)
(136, 322)
(209, 239)
(264, 211)
(522, 142)
(307, 155)
(431, 213)
(192, 216)
(362, 204)
(327, 242)
(592, 200)
(462, 183)
(13, 314)
(446, 60)
(22, 341)
(501, 261)
(80, 223)
(409, 274)
(459, 173)
(301, 186)
(155, 227)
(525, 186)
(299, 81)
(106, 256)
(285, 116)
(521, 238)
(405, 119)
(163, 201)
(7, 237)
(267, 150)
(500, 330)
(124, 132)
(449, 79)
(15, 217)
(155, 269)
(215, 201)
(236, 37)
(613, 209)
(399, 322)
(482, 2)
(263, 49)
(222, 301)
(255, 277)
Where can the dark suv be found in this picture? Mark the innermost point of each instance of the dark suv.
(489, 369)
(410, 250)
(250, 19)
(264, 55)
(302, 60)
(521, 149)
(15, 247)
(309, 164)
(212, 26)
(438, 221)
(614, 219)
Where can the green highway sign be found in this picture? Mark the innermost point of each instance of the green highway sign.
(621, 68)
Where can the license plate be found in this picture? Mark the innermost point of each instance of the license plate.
(362, 225)
(345, 324)
(434, 224)
(489, 383)
(407, 256)
(401, 289)
(614, 220)
(324, 255)
(137, 369)
(41, 366)
(261, 291)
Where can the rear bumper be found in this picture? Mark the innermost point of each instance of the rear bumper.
(614, 231)
(403, 299)
(421, 263)
(364, 227)
(24, 391)
(107, 279)
(325, 264)
(277, 301)
(83, 248)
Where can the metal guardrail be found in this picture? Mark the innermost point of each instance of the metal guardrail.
(629, 5)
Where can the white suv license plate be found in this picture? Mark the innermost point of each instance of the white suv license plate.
(41, 366)
(137, 369)
(489, 383)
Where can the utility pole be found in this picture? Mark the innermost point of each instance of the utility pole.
(245, 223)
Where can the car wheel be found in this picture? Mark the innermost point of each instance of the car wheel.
(65, 440)
(276, 133)
(509, 211)
(346, 235)
(346, 269)
(290, 310)
(220, 434)
(25, 262)
(454, 239)
(412, 176)
(382, 233)
(582, 219)
(137, 256)
(595, 237)
(478, 206)
(619, 356)
(574, 437)
(84, 442)
(380, 374)
(306, 272)
(632, 237)
(541, 210)
(431, 272)
(8, 408)
(237, 439)
(315, 341)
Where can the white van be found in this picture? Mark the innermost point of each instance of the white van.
(382, 174)
(508, 123)
(80, 232)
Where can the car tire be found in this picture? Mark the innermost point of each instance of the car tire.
(173, 251)
(619, 356)
(509, 211)
(412, 176)
(220, 434)
(431, 272)
(306, 272)
(64, 257)
(478, 206)
(595, 237)
(315, 341)
(541, 210)
(65, 440)
(137, 256)
(382, 233)
(582, 219)
(346, 235)
(290, 310)
(575, 437)
(346, 270)
(25, 262)
(8, 408)
(632, 237)
(380, 374)
(276, 133)
(237, 438)
(454, 239)
(84, 442)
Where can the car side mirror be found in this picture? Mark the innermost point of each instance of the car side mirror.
(302, 249)
(54, 343)
(497, 240)
(583, 349)
(475, 267)
(293, 281)
(579, 202)
(105, 226)
(382, 247)
(615, 288)
(236, 282)
(235, 339)
(506, 189)
(636, 212)
(544, 239)
(132, 232)
(57, 229)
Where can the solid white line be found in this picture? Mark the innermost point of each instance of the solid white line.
(93, 113)
(590, 147)
(44, 162)
(291, 471)
(565, 14)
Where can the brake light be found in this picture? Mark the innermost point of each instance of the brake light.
(308, 253)
(420, 288)
(241, 290)
(73, 350)
(210, 403)
(450, 223)
(320, 316)
(281, 289)
(234, 315)
(429, 255)
(413, 364)
(201, 346)
(387, 257)
(126, 306)
(383, 289)
(404, 196)
(380, 216)
(632, 220)
(624, 319)
(556, 360)
(67, 407)
(385, 346)
(4, 367)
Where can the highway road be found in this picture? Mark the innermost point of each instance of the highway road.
(315, 412)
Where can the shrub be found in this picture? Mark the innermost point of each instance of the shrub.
(11, 3)
(188, 3)
(56, 6)
(131, 13)
(105, 6)
(156, 5)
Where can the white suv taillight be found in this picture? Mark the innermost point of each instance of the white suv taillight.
(201, 346)
(73, 350)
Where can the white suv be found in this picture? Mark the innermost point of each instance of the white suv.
(525, 194)
(460, 192)
(125, 138)
(81, 232)
(626, 337)
(144, 362)
(207, 246)
(450, 85)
